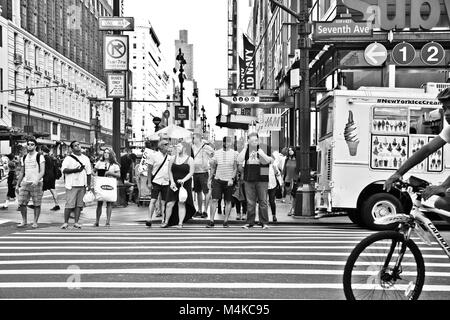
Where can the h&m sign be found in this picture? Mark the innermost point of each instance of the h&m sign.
(269, 122)
(422, 14)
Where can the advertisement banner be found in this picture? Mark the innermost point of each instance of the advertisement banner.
(249, 59)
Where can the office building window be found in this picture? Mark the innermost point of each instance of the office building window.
(54, 128)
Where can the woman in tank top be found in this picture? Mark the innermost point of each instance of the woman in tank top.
(181, 170)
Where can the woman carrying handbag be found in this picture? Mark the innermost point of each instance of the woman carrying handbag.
(107, 166)
(181, 171)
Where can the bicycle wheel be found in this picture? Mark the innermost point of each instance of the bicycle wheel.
(365, 277)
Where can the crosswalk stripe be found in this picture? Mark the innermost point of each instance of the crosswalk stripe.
(190, 285)
(202, 261)
(206, 253)
(214, 271)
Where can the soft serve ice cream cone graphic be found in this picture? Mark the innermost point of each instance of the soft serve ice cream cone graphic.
(351, 135)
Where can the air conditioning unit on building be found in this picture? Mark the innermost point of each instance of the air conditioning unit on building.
(435, 87)
(18, 58)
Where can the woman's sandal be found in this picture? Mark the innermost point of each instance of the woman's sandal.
(96, 224)
(164, 225)
(180, 226)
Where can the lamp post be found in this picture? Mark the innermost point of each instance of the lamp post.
(203, 119)
(182, 61)
(30, 93)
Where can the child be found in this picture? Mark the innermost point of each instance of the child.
(239, 200)
(12, 182)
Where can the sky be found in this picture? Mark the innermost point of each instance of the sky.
(206, 22)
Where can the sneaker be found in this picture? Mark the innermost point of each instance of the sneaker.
(204, 215)
(210, 224)
(247, 226)
(238, 218)
(275, 219)
(265, 226)
(148, 224)
(197, 214)
(55, 208)
(225, 225)
(77, 226)
(65, 226)
(291, 213)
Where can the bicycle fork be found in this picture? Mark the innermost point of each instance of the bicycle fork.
(396, 270)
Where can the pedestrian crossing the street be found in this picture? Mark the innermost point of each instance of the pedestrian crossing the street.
(132, 262)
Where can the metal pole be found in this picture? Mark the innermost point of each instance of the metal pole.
(181, 88)
(116, 143)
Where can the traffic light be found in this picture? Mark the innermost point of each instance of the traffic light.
(195, 93)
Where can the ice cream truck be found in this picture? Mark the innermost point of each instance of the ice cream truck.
(364, 136)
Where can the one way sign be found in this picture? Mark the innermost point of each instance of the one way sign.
(116, 23)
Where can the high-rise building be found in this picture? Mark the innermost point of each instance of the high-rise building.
(151, 80)
(188, 51)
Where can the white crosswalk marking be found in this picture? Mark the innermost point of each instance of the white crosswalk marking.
(194, 262)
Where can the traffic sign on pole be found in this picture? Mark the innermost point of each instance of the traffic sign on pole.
(116, 85)
(375, 54)
(116, 53)
(181, 113)
(432, 53)
(116, 23)
(403, 54)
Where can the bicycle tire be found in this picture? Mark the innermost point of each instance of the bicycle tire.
(414, 293)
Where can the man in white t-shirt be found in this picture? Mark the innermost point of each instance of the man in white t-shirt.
(434, 145)
(158, 178)
(30, 182)
(77, 171)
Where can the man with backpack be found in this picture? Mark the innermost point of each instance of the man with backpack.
(52, 174)
(77, 171)
(30, 182)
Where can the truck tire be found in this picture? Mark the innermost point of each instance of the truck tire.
(377, 206)
(355, 216)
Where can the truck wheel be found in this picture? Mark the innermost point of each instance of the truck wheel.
(377, 206)
(355, 216)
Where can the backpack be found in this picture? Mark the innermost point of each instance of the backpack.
(38, 158)
(57, 169)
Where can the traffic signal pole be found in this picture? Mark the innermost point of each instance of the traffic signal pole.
(304, 199)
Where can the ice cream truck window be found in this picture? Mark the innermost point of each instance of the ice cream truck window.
(426, 121)
(326, 120)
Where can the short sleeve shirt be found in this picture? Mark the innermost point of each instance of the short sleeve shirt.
(445, 134)
(32, 167)
(78, 179)
(162, 178)
(225, 162)
(202, 157)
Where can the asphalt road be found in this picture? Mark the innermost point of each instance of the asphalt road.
(131, 262)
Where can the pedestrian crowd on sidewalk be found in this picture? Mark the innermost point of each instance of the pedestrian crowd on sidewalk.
(179, 180)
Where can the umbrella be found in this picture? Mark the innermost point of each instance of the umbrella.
(174, 132)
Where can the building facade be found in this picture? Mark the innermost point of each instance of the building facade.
(151, 81)
(55, 49)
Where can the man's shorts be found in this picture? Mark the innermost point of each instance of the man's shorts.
(27, 191)
(74, 197)
(220, 187)
(201, 182)
(159, 189)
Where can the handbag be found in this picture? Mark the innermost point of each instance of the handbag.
(89, 197)
(105, 189)
(182, 195)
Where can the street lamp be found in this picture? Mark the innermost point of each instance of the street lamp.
(30, 93)
(203, 119)
(182, 61)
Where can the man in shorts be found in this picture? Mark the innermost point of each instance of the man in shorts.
(223, 173)
(30, 182)
(158, 179)
(202, 154)
(77, 171)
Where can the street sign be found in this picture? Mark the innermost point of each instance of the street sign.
(181, 113)
(116, 53)
(403, 54)
(116, 23)
(375, 54)
(432, 53)
(116, 85)
(342, 28)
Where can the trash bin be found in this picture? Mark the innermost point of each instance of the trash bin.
(304, 201)
(122, 196)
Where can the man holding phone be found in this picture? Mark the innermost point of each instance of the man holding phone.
(77, 172)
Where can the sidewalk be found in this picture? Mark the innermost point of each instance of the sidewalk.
(133, 214)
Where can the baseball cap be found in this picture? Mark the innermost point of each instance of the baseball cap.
(444, 95)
